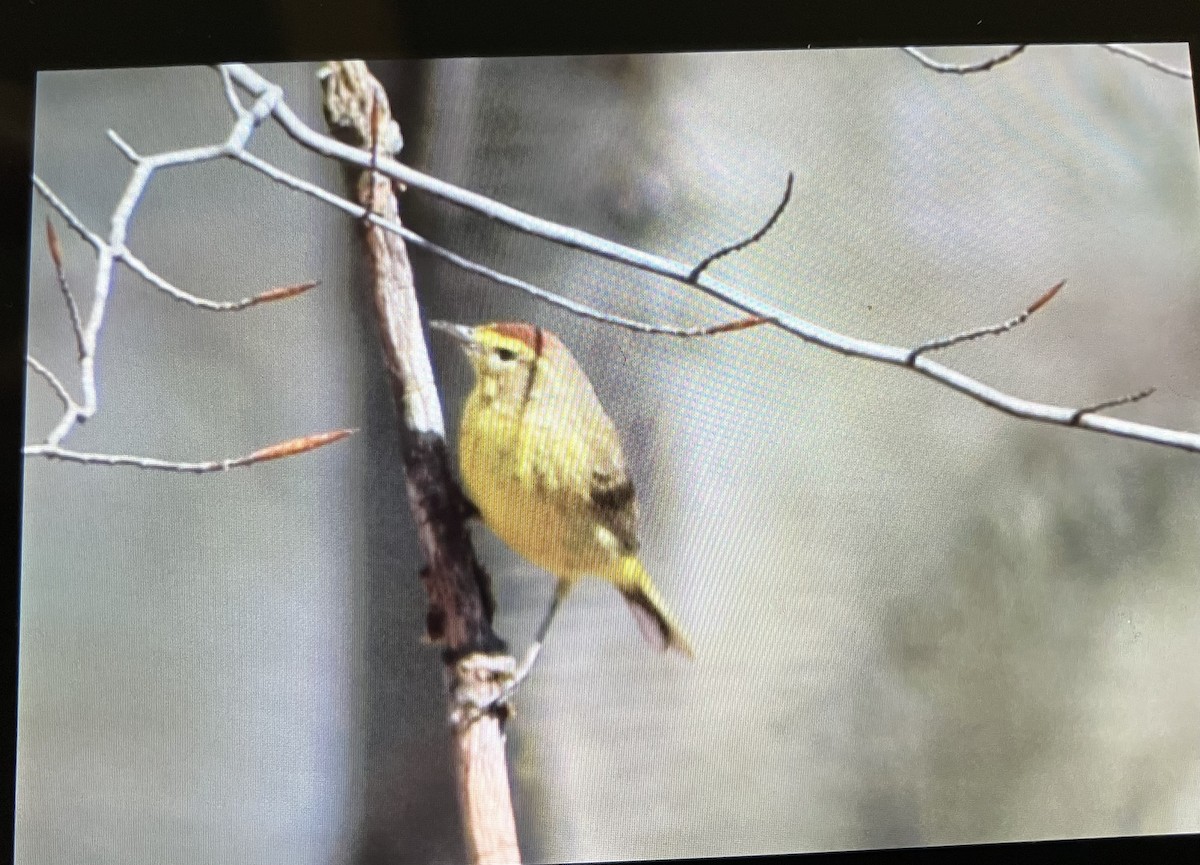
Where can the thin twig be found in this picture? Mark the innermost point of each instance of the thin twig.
(143, 270)
(962, 68)
(1134, 54)
(754, 238)
(231, 96)
(1112, 403)
(291, 447)
(139, 267)
(122, 145)
(806, 330)
(113, 250)
(966, 68)
(61, 272)
(67, 214)
(282, 292)
(418, 241)
(1004, 326)
(54, 381)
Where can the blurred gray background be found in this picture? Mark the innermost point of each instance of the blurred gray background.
(917, 620)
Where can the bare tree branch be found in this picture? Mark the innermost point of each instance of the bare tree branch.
(1002, 327)
(752, 239)
(963, 68)
(808, 331)
(231, 96)
(291, 447)
(984, 65)
(61, 273)
(1134, 54)
(122, 145)
(413, 239)
(143, 270)
(54, 381)
(461, 605)
(1113, 403)
(113, 250)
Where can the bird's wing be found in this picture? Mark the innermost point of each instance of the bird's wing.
(610, 491)
(582, 467)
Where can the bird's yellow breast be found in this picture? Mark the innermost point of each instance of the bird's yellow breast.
(519, 477)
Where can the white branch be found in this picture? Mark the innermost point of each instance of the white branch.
(806, 330)
(291, 447)
(54, 381)
(963, 68)
(1134, 54)
(113, 249)
(94, 459)
(122, 145)
(268, 102)
(420, 242)
(235, 104)
(983, 65)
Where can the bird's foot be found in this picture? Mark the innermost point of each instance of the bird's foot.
(486, 683)
(483, 685)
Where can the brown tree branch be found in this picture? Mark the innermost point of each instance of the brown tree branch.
(461, 606)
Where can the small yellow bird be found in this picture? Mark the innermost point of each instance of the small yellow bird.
(542, 461)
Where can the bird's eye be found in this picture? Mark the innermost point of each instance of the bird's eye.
(506, 354)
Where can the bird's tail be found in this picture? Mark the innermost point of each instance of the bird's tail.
(656, 624)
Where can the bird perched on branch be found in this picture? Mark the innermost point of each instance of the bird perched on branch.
(542, 461)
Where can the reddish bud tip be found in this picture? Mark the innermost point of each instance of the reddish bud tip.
(300, 445)
(283, 292)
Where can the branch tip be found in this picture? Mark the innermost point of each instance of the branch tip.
(282, 292)
(1046, 298)
(122, 145)
(754, 238)
(299, 445)
(61, 273)
(55, 246)
(1112, 403)
(731, 326)
(991, 330)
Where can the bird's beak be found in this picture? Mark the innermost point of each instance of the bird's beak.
(464, 335)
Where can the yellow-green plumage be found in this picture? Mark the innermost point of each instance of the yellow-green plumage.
(542, 461)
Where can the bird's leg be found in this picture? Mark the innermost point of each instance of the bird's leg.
(535, 648)
(531, 654)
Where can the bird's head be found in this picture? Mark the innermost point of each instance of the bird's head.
(506, 355)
